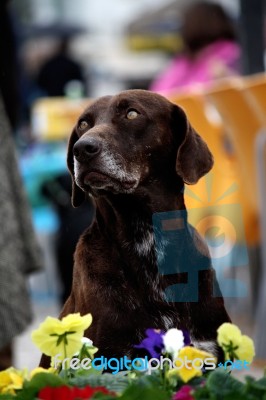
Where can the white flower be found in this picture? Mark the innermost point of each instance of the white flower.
(173, 341)
(86, 341)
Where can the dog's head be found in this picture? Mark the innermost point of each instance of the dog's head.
(133, 140)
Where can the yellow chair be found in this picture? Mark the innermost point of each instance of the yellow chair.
(53, 118)
(254, 87)
(221, 188)
(244, 122)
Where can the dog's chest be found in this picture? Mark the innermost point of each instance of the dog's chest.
(144, 243)
(126, 274)
(143, 252)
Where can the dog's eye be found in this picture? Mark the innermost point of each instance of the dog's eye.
(83, 125)
(132, 114)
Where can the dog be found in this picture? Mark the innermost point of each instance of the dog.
(132, 153)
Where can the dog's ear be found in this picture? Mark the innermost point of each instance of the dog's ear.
(78, 196)
(194, 159)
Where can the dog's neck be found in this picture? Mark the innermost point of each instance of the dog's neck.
(128, 219)
(116, 210)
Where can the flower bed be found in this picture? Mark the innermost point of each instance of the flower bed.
(171, 367)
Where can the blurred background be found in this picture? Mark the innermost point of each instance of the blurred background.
(57, 55)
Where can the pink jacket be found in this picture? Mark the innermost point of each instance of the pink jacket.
(215, 61)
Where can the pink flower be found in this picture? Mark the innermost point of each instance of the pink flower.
(184, 393)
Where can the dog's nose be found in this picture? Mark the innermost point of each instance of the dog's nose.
(86, 148)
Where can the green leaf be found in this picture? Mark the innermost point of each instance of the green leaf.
(259, 384)
(7, 396)
(103, 396)
(147, 387)
(255, 389)
(223, 386)
(43, 379)
(117, 383)
(136, 392)
(202, 393)
(85, 372)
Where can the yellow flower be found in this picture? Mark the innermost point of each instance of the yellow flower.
(91, 351)
(234, 344)
(63, 337)
(11, 380)
(189, 363)
(87, 350)
(228, 334)
(39, 370)
(246, 349)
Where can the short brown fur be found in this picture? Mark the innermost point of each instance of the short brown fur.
(116, 277)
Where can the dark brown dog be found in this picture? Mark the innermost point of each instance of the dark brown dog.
(132, 153)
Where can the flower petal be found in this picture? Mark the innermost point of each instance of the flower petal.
(63, 337)
(153, 343)
(228, 333)
(246, 349)
(173, 341)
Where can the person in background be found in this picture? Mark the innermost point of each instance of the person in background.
(58, 71)
(9, 73)
(211, 50)
(19, 251)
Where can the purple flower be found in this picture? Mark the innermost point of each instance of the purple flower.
(187, 340)
(153, 343)
(184, 393)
